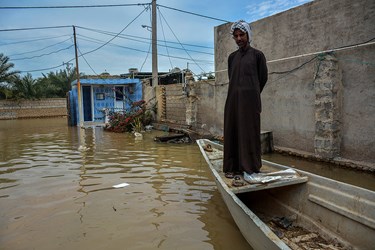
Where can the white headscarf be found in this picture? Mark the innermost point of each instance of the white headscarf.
(243, 26)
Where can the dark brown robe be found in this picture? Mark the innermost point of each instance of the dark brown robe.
(247, 71)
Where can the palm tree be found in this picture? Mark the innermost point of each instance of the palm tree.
(5, 66)
(57, 84)
(6, 76)
(25, 88)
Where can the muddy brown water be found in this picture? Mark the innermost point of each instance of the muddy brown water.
(56, 191)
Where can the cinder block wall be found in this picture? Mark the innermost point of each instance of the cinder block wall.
(325, 107)
(175, 106)
(51, 107)
(289, 99)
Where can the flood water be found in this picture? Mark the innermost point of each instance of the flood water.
(56, 191)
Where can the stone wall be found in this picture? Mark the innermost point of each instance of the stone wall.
(328, 108)
(19, 109)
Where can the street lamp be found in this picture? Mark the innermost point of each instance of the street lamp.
(147, 27)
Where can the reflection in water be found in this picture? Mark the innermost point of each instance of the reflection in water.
(56, 191)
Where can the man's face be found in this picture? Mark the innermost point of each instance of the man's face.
(240, 37)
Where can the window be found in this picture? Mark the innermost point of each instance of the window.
(100, 96)
(119, 93)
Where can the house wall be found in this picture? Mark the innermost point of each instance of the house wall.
(132, 90)
(289, 99)
(101, 104)
(51, 107)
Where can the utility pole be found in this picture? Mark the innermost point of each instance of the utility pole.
(154, 47)
(80, 110)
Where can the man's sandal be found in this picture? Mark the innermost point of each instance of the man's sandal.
(238, 182)
(229, 175)
(208, 148)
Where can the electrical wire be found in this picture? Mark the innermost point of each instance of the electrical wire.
(143, 38)
(195, 14)
(105, 6)
(181, 44)
(149, 47)
(33, 40)
(161, 45)
(71, 6)
(39, 70)
(369, 42)
(292, 70)
(38, 28)
(162, 28)
(116, 34)
(46, 54)
(28, 52)
(84, 58)
(143, 51)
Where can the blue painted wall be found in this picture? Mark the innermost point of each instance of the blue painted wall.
(103, 95)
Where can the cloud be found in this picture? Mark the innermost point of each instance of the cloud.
(271, 7)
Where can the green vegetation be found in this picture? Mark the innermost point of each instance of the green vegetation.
(14, 86)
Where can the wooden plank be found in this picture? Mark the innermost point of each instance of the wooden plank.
(276, 184)
(168, 137)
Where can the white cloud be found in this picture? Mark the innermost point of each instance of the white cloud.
(267, 8)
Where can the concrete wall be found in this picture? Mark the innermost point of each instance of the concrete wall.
(289, 108)
(32, 109)
(321, 105)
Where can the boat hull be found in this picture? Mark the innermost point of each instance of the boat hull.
(338, 212)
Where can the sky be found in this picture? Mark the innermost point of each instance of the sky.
(112, 39)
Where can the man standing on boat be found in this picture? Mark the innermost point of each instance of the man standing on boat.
(247, 71)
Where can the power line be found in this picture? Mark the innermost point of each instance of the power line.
(149, 45)
(180, 43)
(32, 40)
(201, 52)
(46, 54)
(162, 28)
(105, 6)
(37, 28)
(28, 52)
(117, 33)
(86, 61)
(195, 14)
(126, 37)
(39, 70)
(93, 40)
(71, 6)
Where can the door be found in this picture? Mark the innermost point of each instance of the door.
(119, 98)
(87, 109)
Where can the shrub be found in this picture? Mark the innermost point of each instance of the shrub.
(129, 121)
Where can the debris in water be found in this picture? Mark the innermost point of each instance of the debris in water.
(121, 185)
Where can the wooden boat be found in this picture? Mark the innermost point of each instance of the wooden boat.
(304, 212)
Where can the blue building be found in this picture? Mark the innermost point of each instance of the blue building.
(100, 95)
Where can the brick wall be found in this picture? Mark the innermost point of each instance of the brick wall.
(51, 107)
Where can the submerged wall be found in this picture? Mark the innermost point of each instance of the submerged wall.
(51, 107)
